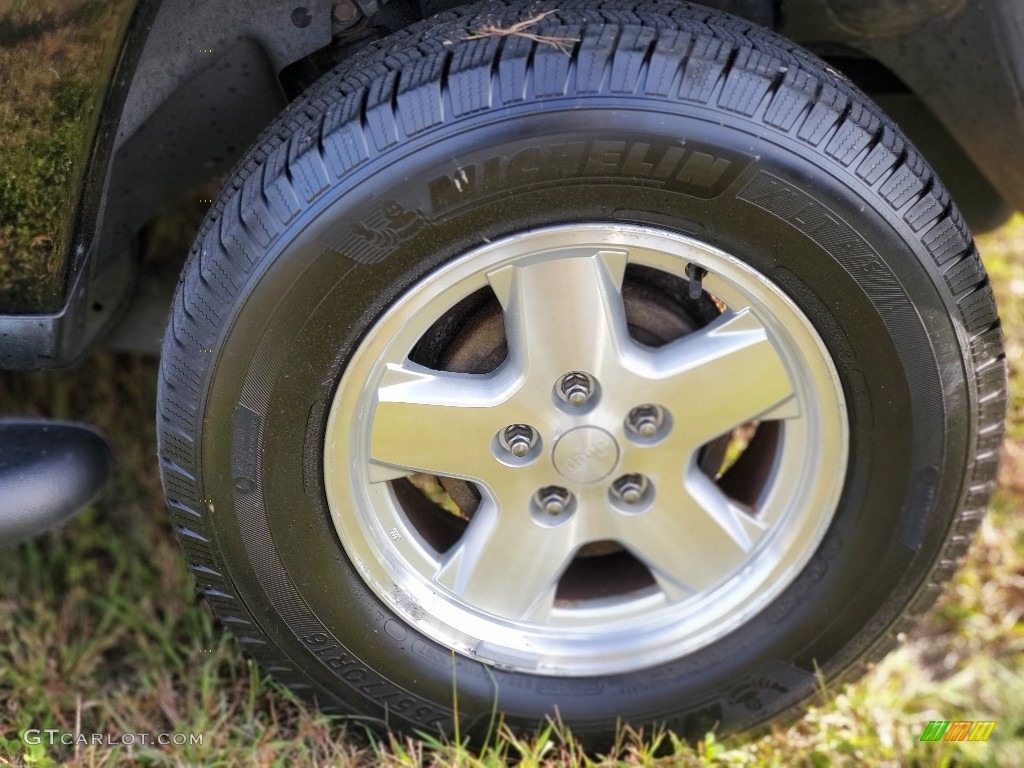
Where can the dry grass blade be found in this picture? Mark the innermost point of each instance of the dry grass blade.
(521, 29)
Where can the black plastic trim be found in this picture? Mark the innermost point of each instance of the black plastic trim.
(49, 471)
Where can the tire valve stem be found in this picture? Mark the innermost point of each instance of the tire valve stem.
(695, 275)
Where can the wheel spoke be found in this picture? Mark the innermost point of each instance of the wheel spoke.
(436, 422)
(722, 376)
(564, 314)
(692, 548)
(508, 564)
(742, 527)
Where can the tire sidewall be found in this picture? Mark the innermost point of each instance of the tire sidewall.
(307, 306)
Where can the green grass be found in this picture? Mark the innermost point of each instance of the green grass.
(100, 629)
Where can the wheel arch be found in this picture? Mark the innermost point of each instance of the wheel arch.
(858, 40)
(196, 82)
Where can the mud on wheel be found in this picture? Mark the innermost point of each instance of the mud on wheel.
(629, 372)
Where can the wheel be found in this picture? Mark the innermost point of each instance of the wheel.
(632, 369)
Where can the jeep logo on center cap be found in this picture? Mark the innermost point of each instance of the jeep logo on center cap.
(585, 454)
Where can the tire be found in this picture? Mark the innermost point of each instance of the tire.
(695, 236)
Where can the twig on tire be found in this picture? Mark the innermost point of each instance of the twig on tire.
(519, 29)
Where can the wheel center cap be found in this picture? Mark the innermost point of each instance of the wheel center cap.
(585, 454)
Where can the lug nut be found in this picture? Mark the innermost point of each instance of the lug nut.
(518, 439)
(646, 420)
(631, 495)
(576, 387)
(630, 489)
(553, 499)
